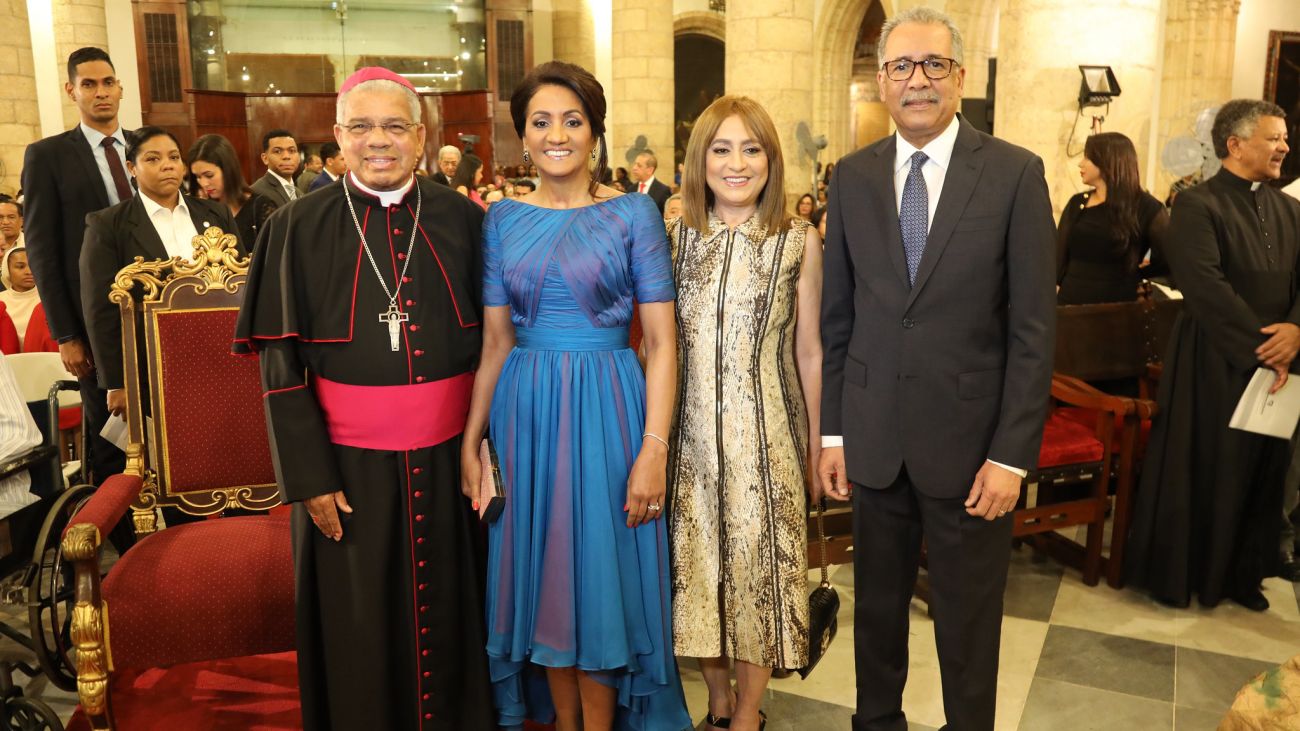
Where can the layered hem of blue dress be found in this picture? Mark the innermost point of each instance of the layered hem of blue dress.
(618, 626)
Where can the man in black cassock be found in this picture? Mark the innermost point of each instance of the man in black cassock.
(1206, 518)
(363, 303)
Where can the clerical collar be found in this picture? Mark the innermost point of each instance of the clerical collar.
(386, 197)
(1236, 181)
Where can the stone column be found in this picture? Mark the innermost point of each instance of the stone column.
(20, 122)
(1200, 39)
(79, 23)
(770, 59)
(643, 82)
(573, 33)
(1038, 78)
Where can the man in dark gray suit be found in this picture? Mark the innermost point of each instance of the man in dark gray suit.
(937, 324)
(280, 155)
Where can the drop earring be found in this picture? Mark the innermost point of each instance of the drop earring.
(528, 159)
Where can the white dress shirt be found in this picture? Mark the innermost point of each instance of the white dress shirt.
(174, 227)
(96, 140)
(938, 152)
(290, 189)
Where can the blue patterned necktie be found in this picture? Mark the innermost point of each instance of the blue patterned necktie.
(914, 215)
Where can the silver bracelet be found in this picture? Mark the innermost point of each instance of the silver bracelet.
(657, 438)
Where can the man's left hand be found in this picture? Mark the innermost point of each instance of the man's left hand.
(1281, 347)
(994, 493)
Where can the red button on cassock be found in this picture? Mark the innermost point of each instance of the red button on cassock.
(408, 280)
(422, 563)
(410, 303)
(397, 230)
(424, 631)
(425, 653)
(417, 470)
(419, 518)
(419, 493)
(427, 674)
(428, 716)
(424, 608)
(419, 379)
(419, 353)
(424, 697)
(423, 587)
(419, 540)
(413, 328)
(401, 255)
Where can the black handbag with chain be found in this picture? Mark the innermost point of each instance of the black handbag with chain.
(823, 606)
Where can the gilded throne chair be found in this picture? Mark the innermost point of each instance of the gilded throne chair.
(203, 605)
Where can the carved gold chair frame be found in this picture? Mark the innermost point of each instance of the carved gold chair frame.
(212, 280)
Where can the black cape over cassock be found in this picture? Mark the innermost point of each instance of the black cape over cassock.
(1210, 499)
(389, 619)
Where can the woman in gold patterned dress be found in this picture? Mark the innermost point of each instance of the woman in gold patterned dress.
(749, 293)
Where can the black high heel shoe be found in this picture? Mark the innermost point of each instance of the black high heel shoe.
(718, 721)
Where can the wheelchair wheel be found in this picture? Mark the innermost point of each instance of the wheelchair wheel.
(29, 714)
(50, 593)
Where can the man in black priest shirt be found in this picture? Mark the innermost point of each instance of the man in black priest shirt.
(363, 304)
(1206, 515)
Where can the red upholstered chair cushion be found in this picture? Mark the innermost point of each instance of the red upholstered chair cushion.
(1066, 442)
(202, 426)
(69, 418)
(201, 591)
(257, 693)
(1088, 418)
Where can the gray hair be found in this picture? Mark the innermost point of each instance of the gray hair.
(412, 99)
(1238, 118)
(924, 16)
(449, 148)
(671, 198)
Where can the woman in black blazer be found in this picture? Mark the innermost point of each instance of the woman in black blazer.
(1105, 232)
(215, 175)
(147, 225)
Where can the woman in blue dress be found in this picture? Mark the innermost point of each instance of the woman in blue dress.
(578, 585)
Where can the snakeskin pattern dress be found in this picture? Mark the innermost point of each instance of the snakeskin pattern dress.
(737, 501)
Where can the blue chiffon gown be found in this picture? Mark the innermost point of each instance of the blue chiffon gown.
(569, 584)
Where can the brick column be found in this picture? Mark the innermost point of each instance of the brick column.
(20, 122)
(770, 59)
(643, 82)
(79, 23)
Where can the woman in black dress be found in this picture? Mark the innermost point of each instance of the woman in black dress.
(215, 175)
(1106, 232)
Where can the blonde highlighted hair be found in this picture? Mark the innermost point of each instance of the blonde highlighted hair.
(697, 197)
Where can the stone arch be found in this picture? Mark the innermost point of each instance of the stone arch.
(700, 23)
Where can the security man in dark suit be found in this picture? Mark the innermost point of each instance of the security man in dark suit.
(643, 171)
(280, 155)
(938, 320)
(64, 178)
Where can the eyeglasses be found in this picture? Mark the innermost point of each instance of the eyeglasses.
(392, 129)
(901, 69)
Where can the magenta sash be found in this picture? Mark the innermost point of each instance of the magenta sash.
(395, 418)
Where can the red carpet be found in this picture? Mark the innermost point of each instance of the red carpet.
(258, 693)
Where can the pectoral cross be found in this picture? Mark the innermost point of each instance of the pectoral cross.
(394, 318)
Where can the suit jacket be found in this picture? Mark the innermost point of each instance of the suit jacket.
(114, 237)
(657, 191)
(305, 180)
(62, 184)
(441, 179)
(271, 187)
(321, 181)
(957, 369)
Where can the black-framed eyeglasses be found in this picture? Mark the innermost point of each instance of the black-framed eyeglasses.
(901, 69)
(392, 129)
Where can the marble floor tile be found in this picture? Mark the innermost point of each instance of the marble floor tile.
(1126, 612)
(1272, 636)
(1058, 706)
(1108, 662)
(1032, 585)
(1208, 681)
(1194, 719)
